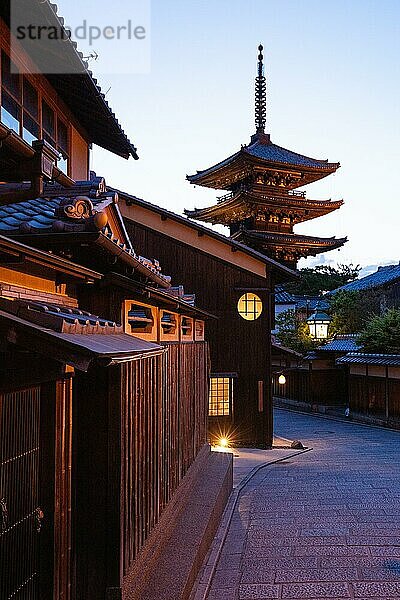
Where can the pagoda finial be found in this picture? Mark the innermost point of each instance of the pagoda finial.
(261, 94)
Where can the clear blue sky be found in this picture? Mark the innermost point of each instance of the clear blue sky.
(333, 92)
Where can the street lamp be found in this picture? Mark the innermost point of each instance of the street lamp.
(318, 324)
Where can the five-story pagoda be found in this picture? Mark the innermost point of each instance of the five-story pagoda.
(262, 204)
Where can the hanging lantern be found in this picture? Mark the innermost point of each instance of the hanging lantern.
(318, 324)
(282, 379)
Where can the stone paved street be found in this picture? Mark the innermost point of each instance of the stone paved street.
(322, 525)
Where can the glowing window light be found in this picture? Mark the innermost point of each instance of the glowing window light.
(250, 306)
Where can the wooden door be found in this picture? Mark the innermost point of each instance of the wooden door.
(20, 511)
(35, 492)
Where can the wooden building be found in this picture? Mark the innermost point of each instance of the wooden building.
(103, 419)
(317, 380)
(262, 203)
(373, 387)
(235, 283)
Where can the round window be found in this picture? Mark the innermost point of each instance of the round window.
(250, 306)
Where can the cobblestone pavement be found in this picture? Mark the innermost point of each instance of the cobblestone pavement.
(321, 525)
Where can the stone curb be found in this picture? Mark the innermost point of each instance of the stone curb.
(204, 587)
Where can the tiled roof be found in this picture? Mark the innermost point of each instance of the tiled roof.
(70, 336)
(390, 360)
(274, 153)
(131, 200)
(383, 276)
(53, 215)
(342, 343)
(282, 297)
(36, 215)
(300, 301)
(311, 302)
(291, 239)
(270, 153)
(63, 319)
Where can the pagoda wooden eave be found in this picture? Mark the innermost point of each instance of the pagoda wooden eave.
(263, 158)
(243, 205)
(289, 240)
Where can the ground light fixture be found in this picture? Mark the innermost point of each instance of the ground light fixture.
(318, 324)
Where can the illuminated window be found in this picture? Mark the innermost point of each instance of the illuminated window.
(220, 401)
(250, 306)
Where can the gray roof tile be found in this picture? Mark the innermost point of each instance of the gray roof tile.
(391, 360)
(381, 277)
(342, 343)
(275, 153)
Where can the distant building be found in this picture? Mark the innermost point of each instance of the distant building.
(385, 281)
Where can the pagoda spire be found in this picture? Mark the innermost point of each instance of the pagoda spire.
(261, 94)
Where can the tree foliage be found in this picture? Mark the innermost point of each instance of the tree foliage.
(351, 310)
(323, 278)
(292, 333)
(382, 333)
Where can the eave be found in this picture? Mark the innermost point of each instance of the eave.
(163, 298)
(245, 204)
(226, 173)
(291, 241)
(79, 350)
(236, 247)
(13, 248)
(76, 84)
(60, 241)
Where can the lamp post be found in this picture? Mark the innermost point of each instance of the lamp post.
(318, 324)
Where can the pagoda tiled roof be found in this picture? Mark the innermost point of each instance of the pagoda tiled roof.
(243, 202)
(263, 150)
(291, 239)
(383, 276)
(277, 154)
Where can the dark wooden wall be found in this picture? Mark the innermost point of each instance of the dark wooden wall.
(236, 345)
(374, 396)
(138, 428)
(325, 387)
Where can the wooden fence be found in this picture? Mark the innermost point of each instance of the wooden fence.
(164, 425)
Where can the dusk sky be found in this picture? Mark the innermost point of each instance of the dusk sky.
(333, 76)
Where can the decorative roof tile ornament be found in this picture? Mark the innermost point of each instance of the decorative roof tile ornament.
(75, 213)
(263, 202)
(80, 207)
